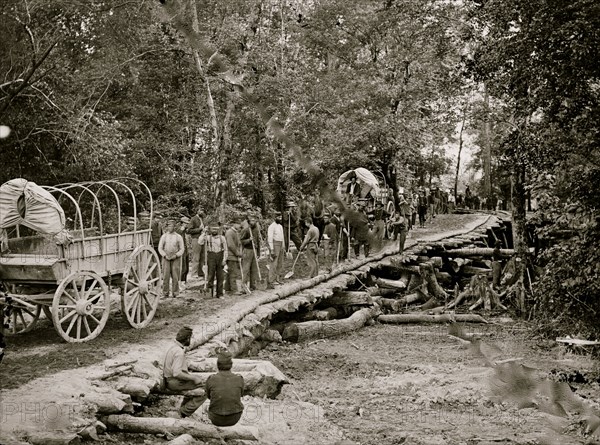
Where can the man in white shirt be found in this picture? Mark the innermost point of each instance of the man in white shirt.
(171, 247)
(275, 240)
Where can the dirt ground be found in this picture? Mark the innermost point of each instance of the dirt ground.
(389, 384)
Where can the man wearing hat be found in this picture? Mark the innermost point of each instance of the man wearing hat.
(275, 240)
(215, 247)
(225, 390)
(171, 247)
(379, 215)
(353, 188)
(176, 376)
(250, 247)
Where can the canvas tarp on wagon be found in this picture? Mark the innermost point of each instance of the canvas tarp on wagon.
(368, 182)
(25, 203)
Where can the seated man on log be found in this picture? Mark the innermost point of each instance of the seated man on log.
(177, 377)
(225, 390)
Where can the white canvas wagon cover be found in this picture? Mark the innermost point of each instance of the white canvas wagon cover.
(26, 203)
(367, 180)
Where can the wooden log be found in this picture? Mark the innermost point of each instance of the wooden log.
(472, 270)
(352, 298)
(323, 314)
(443, 277)
(161, 425)
(116, 372)
(52, 438)
(271, 335)
(389, 303)
(411, 298)
(261, 377)
(433, 287)
(112, 402)
(382, 291)
(297, 332)
(457, 263)
(184, 439)
(390, 284)
(475, 252)
(137, 388)
(424, 318)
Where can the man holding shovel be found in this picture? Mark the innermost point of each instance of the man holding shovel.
(250, 246)
(275, 239)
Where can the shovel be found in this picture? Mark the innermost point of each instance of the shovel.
(290, 274)
(245, 287)
(288, 254)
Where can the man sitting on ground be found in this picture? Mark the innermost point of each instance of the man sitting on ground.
(177, 377)
(225, 390)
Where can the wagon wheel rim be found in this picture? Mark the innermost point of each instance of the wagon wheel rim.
(48, 312)
(141, 289)
(81, 307)
(390, 209)
(22, 319)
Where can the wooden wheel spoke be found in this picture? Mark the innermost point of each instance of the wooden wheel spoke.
(131, 303)
(22, 319)
(66, 317)
(151, 270)
(129, 280)
(90, 289)
(138, 309)
(87, 326)
(144, 310)
(94, 298)
(28, 312)
(67, 294)
(94, 318)
(76, 289)
(73, 320)
(153, 280)
(79, 327)
(131, 291)
(135, 274)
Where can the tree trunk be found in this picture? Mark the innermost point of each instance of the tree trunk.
(324, 314)
(460, 146)
(350, 297)
(391, 284)
(424, 318)
(298, 332)
(519, 227)
(162, 425)
(428, 275)
(477, 252)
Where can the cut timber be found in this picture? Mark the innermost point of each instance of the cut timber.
(261, 377)
(271, 335)
(482, 251)
(162, 425)
(424, 318)
(139, 389)
(322, 314)
(298, 332)
(53, 438)
(351, 298)
(391, 284)
(412, 298)
(112, 402)
(116, 372)
(434, 289)
(184, 439)
(457, 263)
(382, 291)
(472, 270)
(389, 303)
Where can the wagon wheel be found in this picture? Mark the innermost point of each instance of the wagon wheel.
(141, 292)
(390, 208)
(22, 319)
(48, 312)
(81, 306)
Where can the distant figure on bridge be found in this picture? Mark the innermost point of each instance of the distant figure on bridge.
(353, 189)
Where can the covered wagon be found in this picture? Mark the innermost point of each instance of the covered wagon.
(65, 249)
